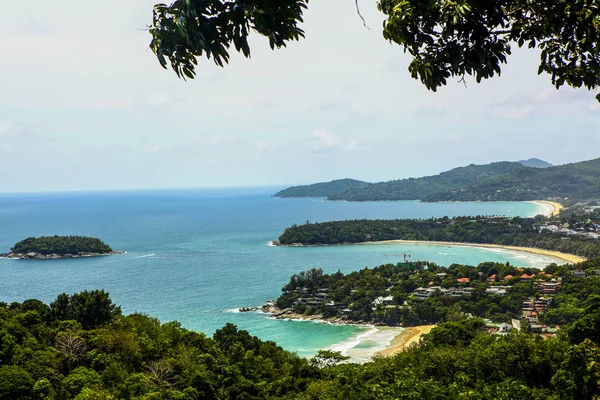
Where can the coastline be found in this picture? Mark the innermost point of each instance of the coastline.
(556, 207)
(405, 339)
(568, 258)
(38, 256)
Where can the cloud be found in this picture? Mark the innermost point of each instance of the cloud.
(221, 138)
(356, 146)
(507, 111)
(429, 112)
(548, 101)
(323, 141)
(8, 128)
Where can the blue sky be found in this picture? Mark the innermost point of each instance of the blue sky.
(85, 105)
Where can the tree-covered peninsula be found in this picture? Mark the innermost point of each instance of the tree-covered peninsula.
(500, 181)
(322, 189)
(49, 247)
(571, 236)
(419, 293)
(81, 347)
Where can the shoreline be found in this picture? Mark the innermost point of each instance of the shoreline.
(409, 336)
(406, 338)
(556, 207)
(569, 258)
(38, 256)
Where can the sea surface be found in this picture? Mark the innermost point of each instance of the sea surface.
(197, 255)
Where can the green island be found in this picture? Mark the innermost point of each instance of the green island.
(81, 347)
(53, 247)
(500, 181)
(323, 189)
(569, 233)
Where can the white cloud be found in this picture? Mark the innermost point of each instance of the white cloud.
(507, 111)
(221, 138)
(8, 128)
(357, 146)
(323, 141)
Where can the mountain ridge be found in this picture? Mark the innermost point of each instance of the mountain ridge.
(498, 181)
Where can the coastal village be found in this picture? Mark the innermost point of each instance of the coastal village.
(464, 286)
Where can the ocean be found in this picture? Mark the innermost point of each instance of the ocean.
(197, 255)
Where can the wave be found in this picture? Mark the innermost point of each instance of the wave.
(271, 243)
(362, 347)
(145, 256)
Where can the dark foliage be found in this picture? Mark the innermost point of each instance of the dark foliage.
(502, 231)
(61, 245)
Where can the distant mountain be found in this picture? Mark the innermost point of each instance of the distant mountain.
(420, 188)
(577, 181)
(323, 189)
(535, 163)
(501, 181)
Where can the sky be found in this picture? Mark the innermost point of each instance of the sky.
(84, 105)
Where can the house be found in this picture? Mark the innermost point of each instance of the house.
(492, 278)
(551, 228)
(508, 277)
(579, 273)
(547, 288)
(386, 301)
(463, 280)
(526, 278)
(497, 290)
(425, 293)
(460, 292)
(542, 303)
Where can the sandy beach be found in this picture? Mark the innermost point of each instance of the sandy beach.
(568, 258)
(556, 207)
(405, 339)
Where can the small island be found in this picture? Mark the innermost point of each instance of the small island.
(56, 247)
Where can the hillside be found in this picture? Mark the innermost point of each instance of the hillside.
(535, 163)
(322, 189)
(575, 182)
(419, 188)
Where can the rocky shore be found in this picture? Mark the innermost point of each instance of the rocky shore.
(39, 256)
(288, 313)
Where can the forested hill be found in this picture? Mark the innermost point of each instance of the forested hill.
(322, 189)
(81, 347)
(504, 181)
(58, 247)
(480, 230)
(578, 181)
(420, 188)
(535, 163)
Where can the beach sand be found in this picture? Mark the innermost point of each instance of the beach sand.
(408, 337)
(568, 258)
(556, 207)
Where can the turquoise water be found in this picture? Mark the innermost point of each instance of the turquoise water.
(195, 256)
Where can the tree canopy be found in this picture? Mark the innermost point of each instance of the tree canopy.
(445, 38)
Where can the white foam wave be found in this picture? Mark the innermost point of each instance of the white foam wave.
(145, 256)
(271, 243)
(348, 344)
(372, 341)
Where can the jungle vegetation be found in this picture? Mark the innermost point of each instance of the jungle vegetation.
(522, 232)
(81, 347)
(61, 245)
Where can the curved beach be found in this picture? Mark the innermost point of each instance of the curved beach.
(551, 208)
(405, 339)
(568, 258)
